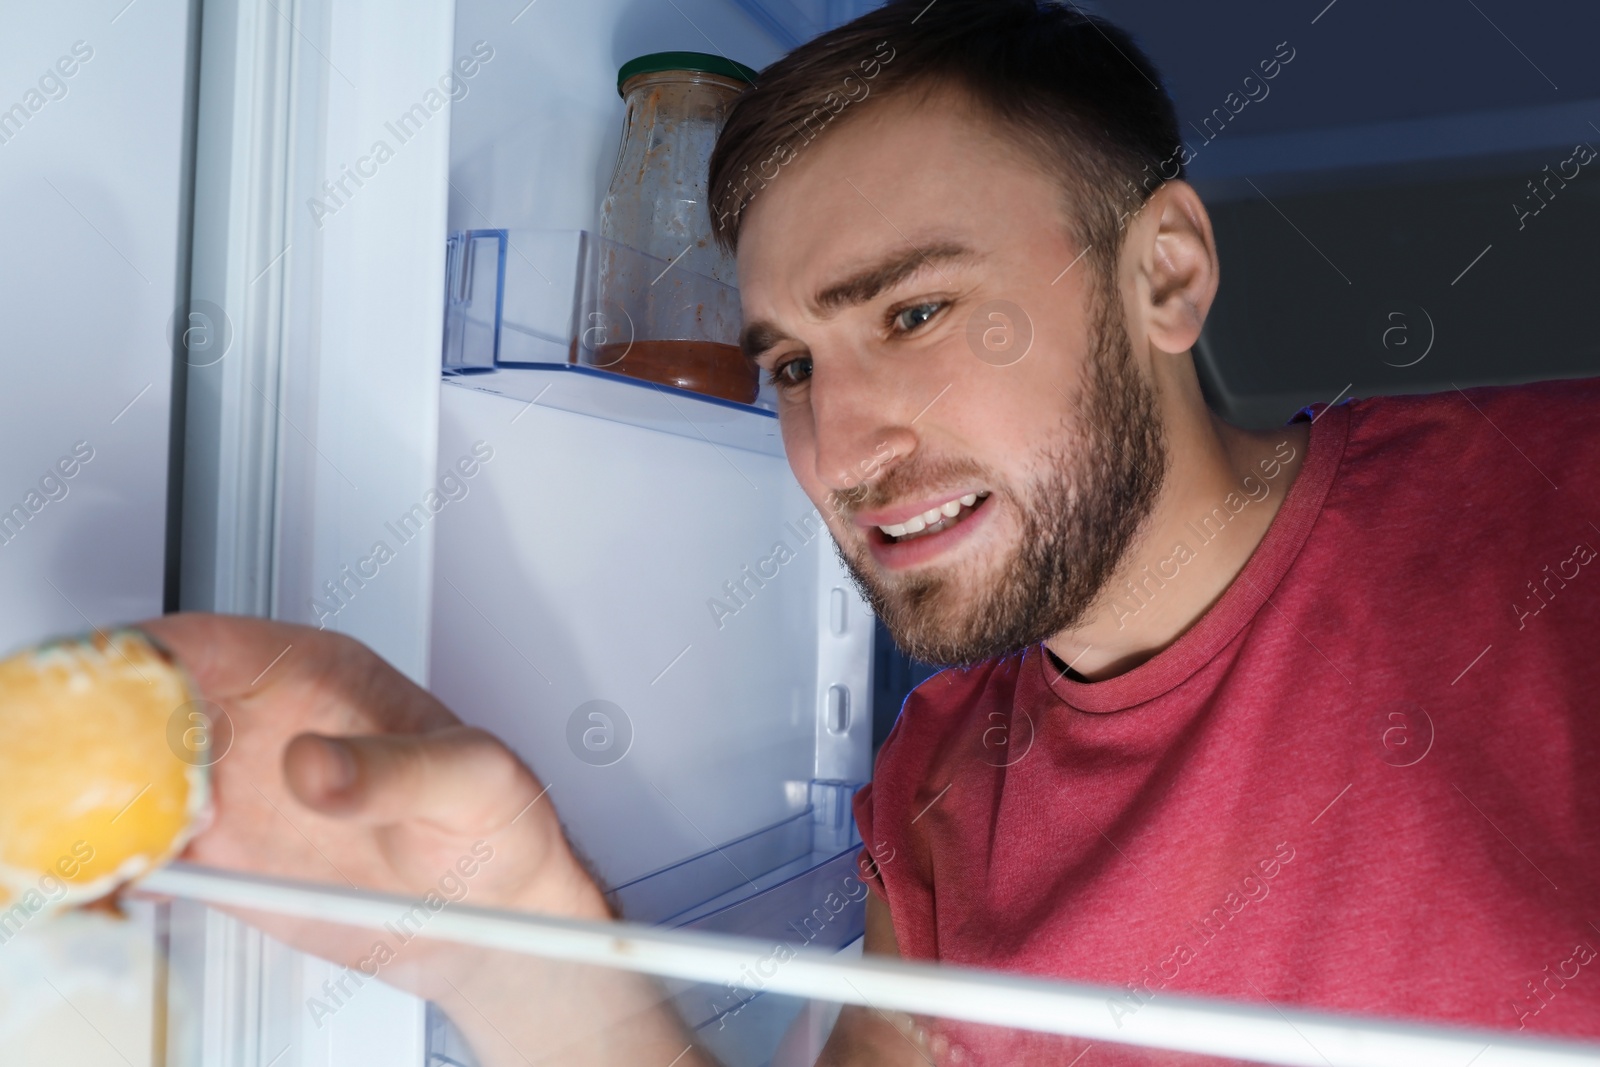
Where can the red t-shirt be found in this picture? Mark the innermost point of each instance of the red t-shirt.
(1366, 780)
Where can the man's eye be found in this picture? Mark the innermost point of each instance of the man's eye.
(908, 319)
(791, 373)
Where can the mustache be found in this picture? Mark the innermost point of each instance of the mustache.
(908, 481)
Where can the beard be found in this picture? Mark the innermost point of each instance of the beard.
(1096, 481)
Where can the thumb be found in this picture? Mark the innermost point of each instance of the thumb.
(458, 778)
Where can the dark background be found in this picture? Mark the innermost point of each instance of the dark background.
(1364, 208)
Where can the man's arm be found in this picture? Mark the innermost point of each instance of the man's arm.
(866, 1035)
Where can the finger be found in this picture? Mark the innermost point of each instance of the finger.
(458, 778)
(231, 656)
(227, 655)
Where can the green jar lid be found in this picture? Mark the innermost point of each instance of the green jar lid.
(700, 62)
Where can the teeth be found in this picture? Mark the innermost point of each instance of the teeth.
(933, 517)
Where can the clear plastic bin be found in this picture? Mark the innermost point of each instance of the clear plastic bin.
(533, 298)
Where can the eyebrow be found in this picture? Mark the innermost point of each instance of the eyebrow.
(860, 287)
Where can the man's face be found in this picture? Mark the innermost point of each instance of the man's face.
(909, 282)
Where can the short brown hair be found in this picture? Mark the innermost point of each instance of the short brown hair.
(1071, 88)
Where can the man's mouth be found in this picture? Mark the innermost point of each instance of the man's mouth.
(935, 520)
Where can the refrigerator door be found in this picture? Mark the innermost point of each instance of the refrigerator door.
(321, 173)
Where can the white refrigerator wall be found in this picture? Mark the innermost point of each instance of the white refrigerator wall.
(590, 560)
(94, 105)
(533, 142)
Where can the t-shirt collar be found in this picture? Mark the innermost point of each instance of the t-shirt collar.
(1244, 597)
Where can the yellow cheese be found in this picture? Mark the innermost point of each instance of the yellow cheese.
(94, 791)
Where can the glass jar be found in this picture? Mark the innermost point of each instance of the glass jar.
(668, 303)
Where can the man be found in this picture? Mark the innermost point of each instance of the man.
(1304, 716)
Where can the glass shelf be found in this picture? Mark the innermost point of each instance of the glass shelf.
(534, 988)
(794, 864)
(618, 398)
(795, 882)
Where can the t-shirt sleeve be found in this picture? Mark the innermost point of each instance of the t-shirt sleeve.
(866, 867)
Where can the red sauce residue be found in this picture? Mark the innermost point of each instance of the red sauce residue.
(700, 366)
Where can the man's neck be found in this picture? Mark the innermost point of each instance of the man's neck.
(1223, 488)
(1060, 667)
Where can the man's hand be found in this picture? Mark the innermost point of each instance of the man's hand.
(341, 770)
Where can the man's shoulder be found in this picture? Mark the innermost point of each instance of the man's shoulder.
(1548, 429)
(1565, 403)
(946, 704)
(953, 691)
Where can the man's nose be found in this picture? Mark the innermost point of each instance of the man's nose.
(861, 428)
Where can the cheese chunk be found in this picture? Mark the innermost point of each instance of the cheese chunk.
(100, 776)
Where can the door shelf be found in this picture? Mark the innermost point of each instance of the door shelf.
(529, 300)
(794, 883)
(619, 398)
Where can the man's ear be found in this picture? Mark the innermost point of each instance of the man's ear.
(1176, 259)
